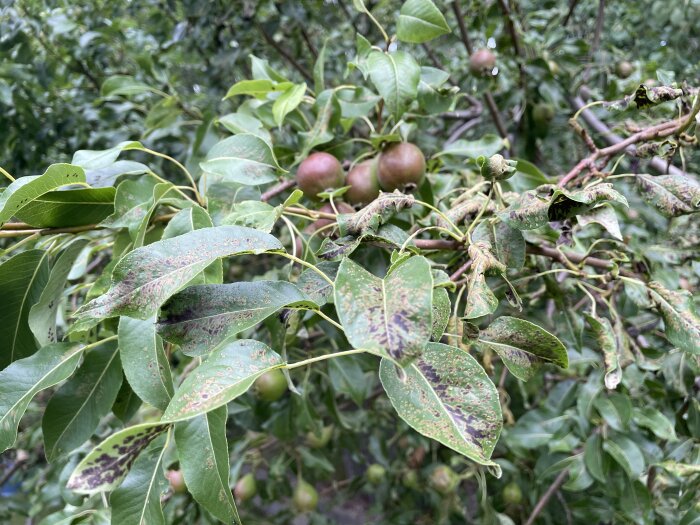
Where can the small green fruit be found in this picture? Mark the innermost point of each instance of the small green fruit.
(245, 488)
(305, 497)
(624, 69)
(376, 473)
(320, 441)
(543, 113)
(271, 385)
(177, 481)
(444, 480)
(512, 494)
(496, 167)
(410, 479)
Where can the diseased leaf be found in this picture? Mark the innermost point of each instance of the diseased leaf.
(396, 78)
(25, 378)
(104, 468)
(74, 411)
(420, 21)
(681, 321)
(202, 449)
(145, 364)
(565, 204)
(254, 214)
(508, 243)
(486, 146)
(672, 195)
(528, 212)
(201, 317)
(244, 158)
(315, 287)
(144, 278)
(604, 334)
(441, 312)
(446, 395)
(391, 317)
(480, 299)
(23, 279)
(42, 315)
(227, 373)
(137, 500)
(523, 346)
(371, 217)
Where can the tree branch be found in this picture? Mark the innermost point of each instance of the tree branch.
(558, 482)
(289, 58)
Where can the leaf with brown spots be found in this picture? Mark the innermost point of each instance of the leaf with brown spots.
(480, 299)
(681, 321)
(566, 204)
(672, 195)
(376, 213)
(227, 373)
(604, 334)
(106, 465)
(201, 317)
(144, 278)
(391, 317)
(523, 346)
(529, 210)
(508, 243)
(447, 396)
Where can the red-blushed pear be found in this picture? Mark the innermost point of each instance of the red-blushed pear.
(319, 172)
(401, 166)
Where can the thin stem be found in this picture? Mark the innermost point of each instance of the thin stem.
(4, 172)
(330, 320)
(179, 165)
(593, 301)
(445, 217)
(324, 357)
(691, 116)
(308, 265)
(473, 224)
(98, 343)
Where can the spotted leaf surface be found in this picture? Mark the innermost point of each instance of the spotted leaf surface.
(144, 278)
(528, 212)
(104, 468)
(202, 449)
(447, 396)
(681, 321)
(604, 334)
(391, 317)
(226, 374)
(565, 204)
(244, 158)
(25, 189)
(316, 287)
(508, 243)
(523, 346)
(201, 317)
(481, 300)
(605, 216)
(145, 364)
(672, 195)
(441, 312)
(137, 500)
(74, 411)
(25, 378)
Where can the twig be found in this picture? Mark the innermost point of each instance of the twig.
(289, 58)
(277, 189)
(457, 274)
(572, 6)
(462, 28)
(511, 28)
(558, 482)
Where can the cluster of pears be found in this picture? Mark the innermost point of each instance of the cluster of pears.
(401, 165)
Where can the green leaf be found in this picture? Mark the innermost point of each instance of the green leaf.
(655, 421)
(391, 317)
(254, 214)
(42, 316)
(244, 158)
(565, 204)
(446, 395)
(227, 373)
(25, 378)
(256, 88)
(63, 209)
(204, 460)
(74, 411)
(681, 321)
(23, 279)
(480, 299)
(243, 123)
(201, 317)
(594, 459)
(105, 466)
(528, 211)
(144, 278)
(287, 102)
(605, 216)
(315, 287)
(137, 500)
(319, 66)
(127, 403)
(25, 189)
(627, 454)
(672, 195)
(420, 21)
(327, 106)
(371, 217)
(396, 78)
(145, 364)
(604, 334)
(123, 85)
(486, 146)
(523, 346)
